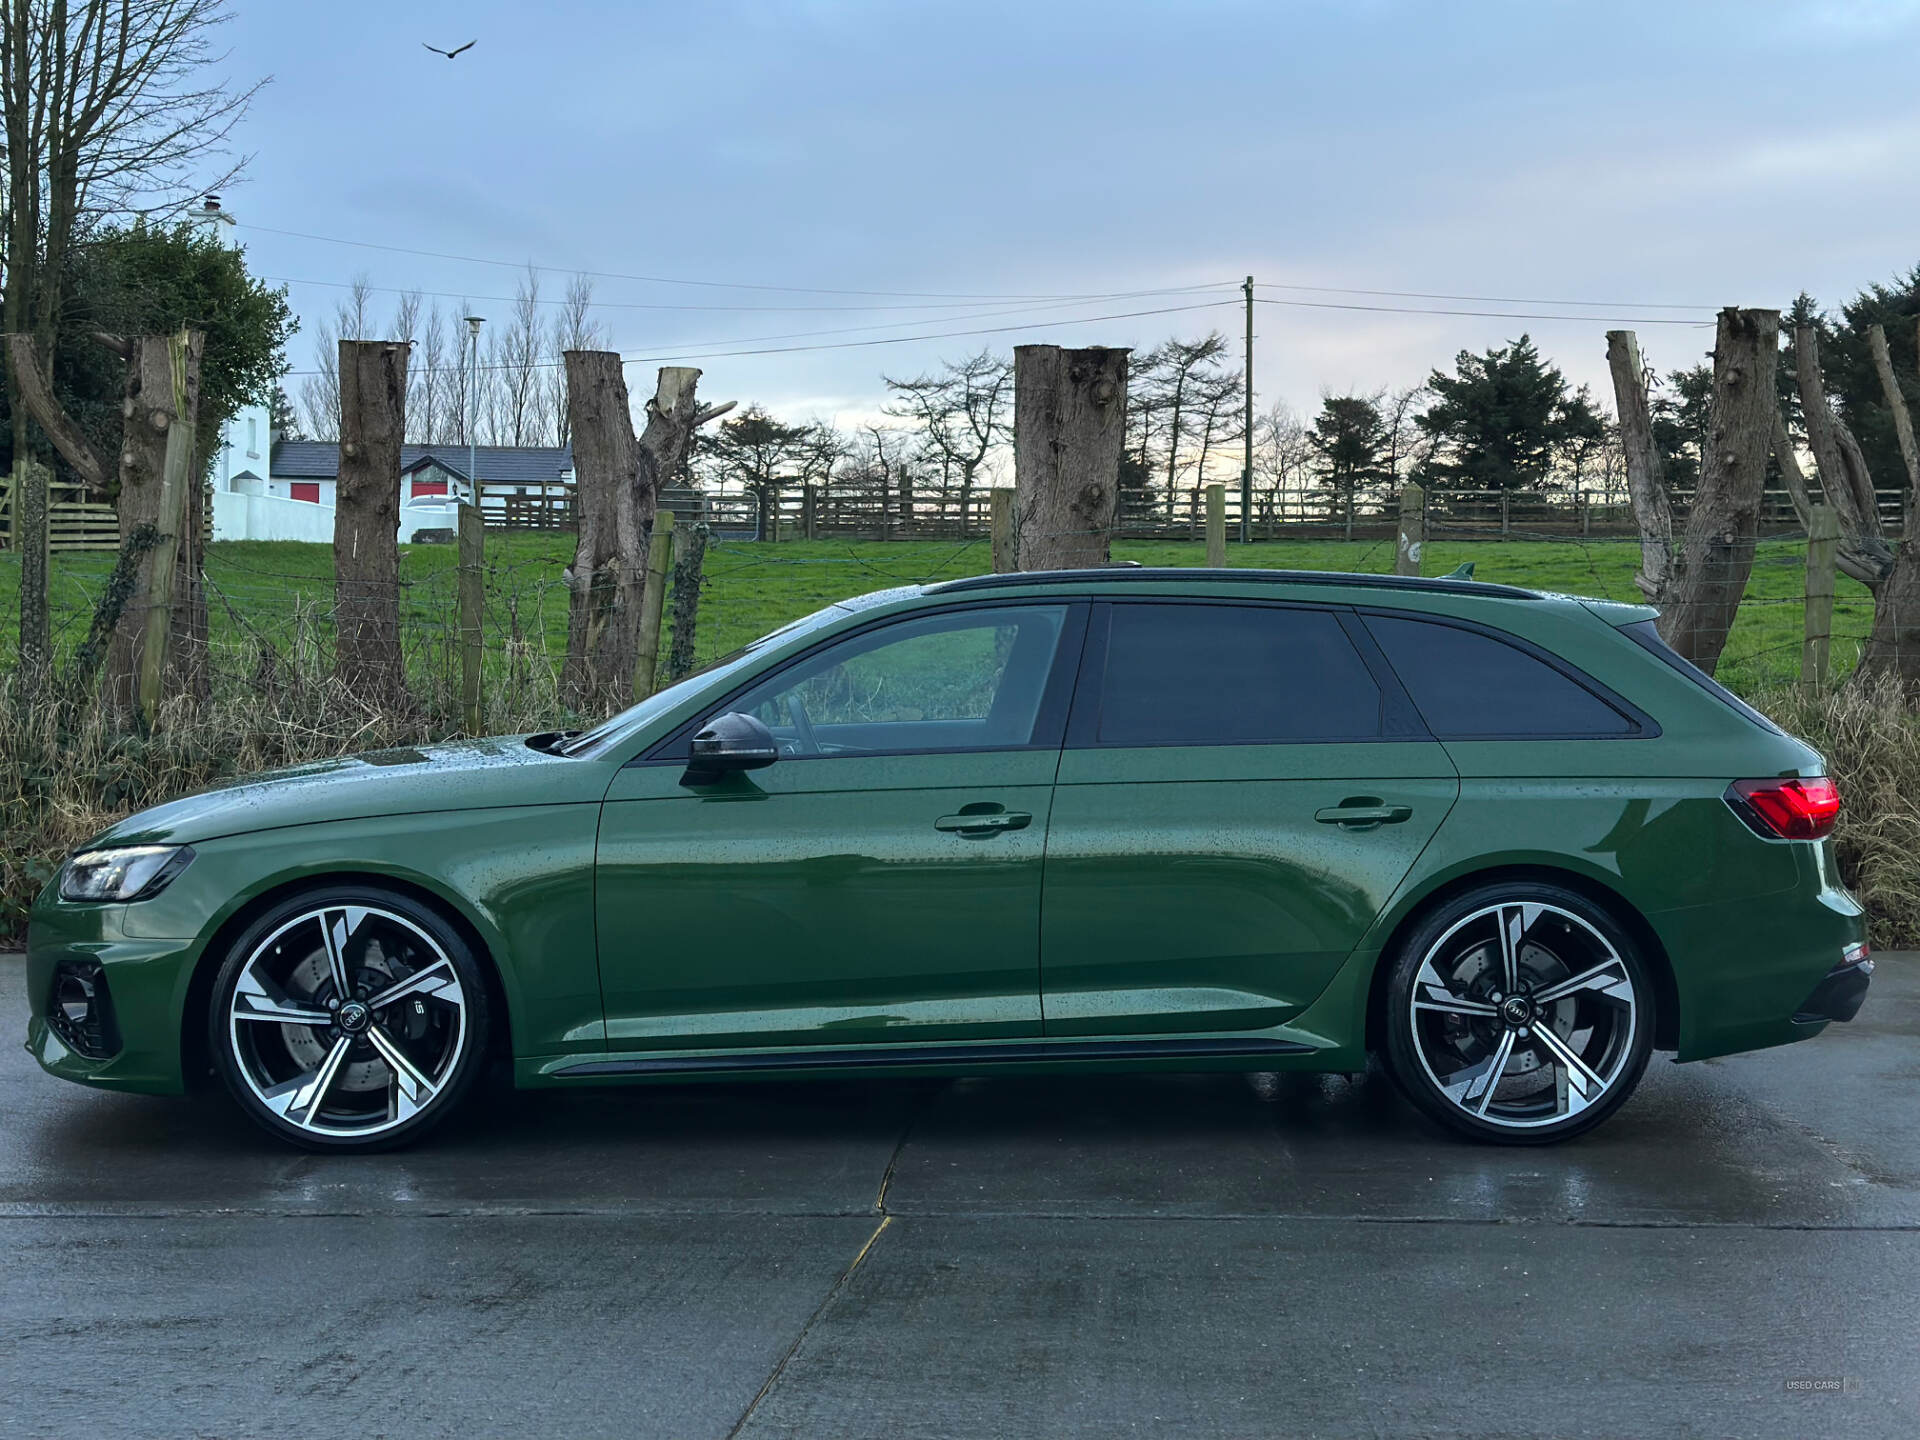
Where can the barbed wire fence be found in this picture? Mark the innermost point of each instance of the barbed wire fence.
(270, 625)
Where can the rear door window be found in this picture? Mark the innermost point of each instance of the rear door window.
(1469, 685)
(1213, 674)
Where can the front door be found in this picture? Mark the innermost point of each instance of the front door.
(1243, 786)
(880, 883)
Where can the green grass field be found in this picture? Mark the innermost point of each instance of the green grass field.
(280, 592)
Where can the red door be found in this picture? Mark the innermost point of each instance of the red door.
(429, 487)
(307, 490)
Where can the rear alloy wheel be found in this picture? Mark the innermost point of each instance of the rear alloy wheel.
(349, 1020)
(1520, 1014)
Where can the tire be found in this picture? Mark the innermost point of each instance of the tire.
(370, 1069)
(1519, 1013)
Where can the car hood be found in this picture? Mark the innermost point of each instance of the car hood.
(460, 775)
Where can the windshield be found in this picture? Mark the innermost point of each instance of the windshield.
(661, 701)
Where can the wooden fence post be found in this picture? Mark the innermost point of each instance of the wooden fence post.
(1001, 516)
(1823, 545)
(1506, 515)
(1216, 527)
(652, 602)
(1413, 529)
(473, 532)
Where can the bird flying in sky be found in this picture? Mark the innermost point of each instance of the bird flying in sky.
(448, 53)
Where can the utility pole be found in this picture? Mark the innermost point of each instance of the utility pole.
(474, 322)
(1246, 463)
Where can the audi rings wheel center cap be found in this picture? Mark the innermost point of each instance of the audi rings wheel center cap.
(1516, 1010)
(353, 1017)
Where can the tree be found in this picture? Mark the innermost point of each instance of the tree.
(366, 522)
(1582, 434)
(1679, 410)
(1853, 378)
(1497, 420)
(1069, 421)
(761, 455)
(154, 279)
(1282, 456)
(1351, 440)
(619, 481)
(127, 292)
(962, 413)
(107, 113)
(1699, 586)
(1171, 389)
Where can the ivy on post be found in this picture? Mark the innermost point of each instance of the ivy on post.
(653, 596)
(689, 560)
(473, 539)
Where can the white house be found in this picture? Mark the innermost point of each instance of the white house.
(287, 492)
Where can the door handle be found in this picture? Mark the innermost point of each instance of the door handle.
(983, 825)
(1363, 816)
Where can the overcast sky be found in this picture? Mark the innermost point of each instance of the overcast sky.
(1644, 154)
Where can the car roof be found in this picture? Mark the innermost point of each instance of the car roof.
(1107, 575)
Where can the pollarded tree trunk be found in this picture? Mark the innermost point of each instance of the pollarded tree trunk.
(1864, 551)
(1724, 524)
(366, 521)
(1893, 645)
(617, 482)
(1646, 486)
(1069, 421)
(149, 410)
(148, 417)
(610, 549)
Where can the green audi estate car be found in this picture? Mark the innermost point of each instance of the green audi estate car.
(1088, 820)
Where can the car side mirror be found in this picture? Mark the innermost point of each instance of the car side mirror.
(727, 744)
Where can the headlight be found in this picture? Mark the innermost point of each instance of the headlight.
(131, 872)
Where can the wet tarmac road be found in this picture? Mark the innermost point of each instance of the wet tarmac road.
(1192, 1255)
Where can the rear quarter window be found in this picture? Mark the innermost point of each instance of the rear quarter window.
(1470, 685)
(1646, 634)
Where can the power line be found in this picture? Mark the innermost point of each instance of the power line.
(661, 279)
(1484, 299)
(848, 344)
(597, 303)
(1485, 314)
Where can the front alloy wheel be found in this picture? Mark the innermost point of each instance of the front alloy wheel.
(349, 1019)
(1520, 1014)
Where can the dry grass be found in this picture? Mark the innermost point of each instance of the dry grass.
(1870, 736)
(67, 771)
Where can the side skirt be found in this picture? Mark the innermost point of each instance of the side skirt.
(892, 1056)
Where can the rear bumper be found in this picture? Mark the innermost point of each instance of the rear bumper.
(1766, 969)
(1839, 996)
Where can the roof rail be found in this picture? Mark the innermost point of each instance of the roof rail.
(1439, 585)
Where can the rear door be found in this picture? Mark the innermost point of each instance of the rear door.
(1244, 784)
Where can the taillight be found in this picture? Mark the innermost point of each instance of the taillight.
(1787, 809)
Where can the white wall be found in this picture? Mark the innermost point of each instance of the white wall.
(238, 516)
(270, 517)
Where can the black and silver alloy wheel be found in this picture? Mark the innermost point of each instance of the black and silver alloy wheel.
(348, 1019)
(1520, 1014)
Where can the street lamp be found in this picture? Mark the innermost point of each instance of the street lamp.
(474, 322)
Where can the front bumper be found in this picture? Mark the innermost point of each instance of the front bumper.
(147, 979)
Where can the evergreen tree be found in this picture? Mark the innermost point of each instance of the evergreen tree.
(1498, 420)
(1349, 436)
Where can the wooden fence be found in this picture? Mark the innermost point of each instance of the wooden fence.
(72, 523)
